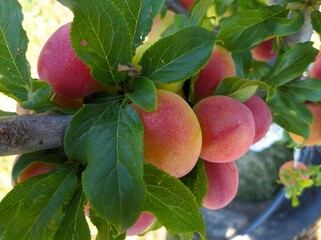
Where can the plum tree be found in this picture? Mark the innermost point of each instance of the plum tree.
(144, 221)
(172, 134)
(58, 64)
(223, 181)
(315, 128)
(264, 51)
(228, 128)
(261, 114)
(204, 56)
(220, 66)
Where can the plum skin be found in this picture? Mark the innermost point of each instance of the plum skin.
(262, 116)
(223, 181)
(172, 134)
(144, 221)
(59, 65)
(227, 126)
(221, 65)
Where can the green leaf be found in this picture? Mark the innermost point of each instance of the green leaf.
(196, 181)
(13, 91)
(221, 6)
(144, 94)
(258, 70)
(248, 4)
(101, 38)
(76, 135)
(173, 236)
(9, 204)
(74, 226)
(169, 59)
(115, 159)
(241, 89)
(246, 28)
(243, 62)
(14, 66)
(199, 12)
(179, 23)
(291, 64)
(6, 114)
(316, 21)
(54, 156)
(40, 99)
(139, 15)
(42, 206)
(295, 105)
(286, 26)
(105, 229)
(290, 114)
(307, 89)
(172, 202)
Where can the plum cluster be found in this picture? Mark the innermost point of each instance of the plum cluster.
(217, 129)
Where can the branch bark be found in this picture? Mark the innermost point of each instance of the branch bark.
(306, 31)
(29, 133)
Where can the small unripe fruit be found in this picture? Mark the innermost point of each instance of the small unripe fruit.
(262, 116)
(223, 181)
(58, 64)
(172, 134)
(221, 65)
(227, 128)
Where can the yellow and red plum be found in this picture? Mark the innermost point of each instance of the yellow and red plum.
(221, 65)
(58, 64)
(227, 128)
(172, 134)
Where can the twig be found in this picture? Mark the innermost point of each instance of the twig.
(29, 133)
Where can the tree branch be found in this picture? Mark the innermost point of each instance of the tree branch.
(306, 31)
(29, 133)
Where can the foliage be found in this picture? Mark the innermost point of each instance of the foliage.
(104, 140)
